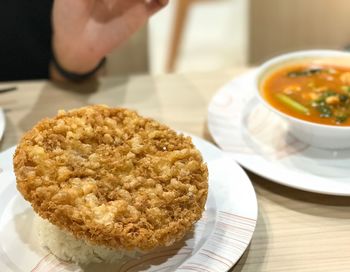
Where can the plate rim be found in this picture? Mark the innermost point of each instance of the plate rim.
(241, 158)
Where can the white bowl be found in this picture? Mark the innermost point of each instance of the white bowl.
(318, 135)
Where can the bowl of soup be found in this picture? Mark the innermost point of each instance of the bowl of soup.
(311, 91)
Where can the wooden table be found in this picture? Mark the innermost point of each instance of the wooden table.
(296, 230)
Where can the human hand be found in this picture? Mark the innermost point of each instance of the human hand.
(87, 30)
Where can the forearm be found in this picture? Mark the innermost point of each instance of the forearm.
(70, 60)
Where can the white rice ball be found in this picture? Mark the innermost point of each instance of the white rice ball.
(66, 247)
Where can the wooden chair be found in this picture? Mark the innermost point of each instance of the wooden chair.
(181, 13)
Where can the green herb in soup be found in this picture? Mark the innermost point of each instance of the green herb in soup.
(305, 72)
(319, 94)
(289, 102)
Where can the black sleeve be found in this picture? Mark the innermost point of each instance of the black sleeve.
(25, 31)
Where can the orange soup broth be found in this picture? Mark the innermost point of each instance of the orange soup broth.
(278, 81)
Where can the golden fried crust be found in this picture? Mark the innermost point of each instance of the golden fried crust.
(112, 177)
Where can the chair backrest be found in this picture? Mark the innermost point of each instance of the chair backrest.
(278, 26)
(130, 58)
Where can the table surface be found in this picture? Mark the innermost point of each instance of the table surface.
(296, 230)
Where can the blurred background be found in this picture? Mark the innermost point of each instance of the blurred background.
(206, 35)
(213, 35)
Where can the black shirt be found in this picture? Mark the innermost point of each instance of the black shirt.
(25, 39)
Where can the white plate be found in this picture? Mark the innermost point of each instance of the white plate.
(259, 140)
(2, 122)
(218, 241)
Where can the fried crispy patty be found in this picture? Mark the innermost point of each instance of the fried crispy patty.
(112, 177)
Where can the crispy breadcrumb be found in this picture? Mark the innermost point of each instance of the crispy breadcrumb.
(112, 177)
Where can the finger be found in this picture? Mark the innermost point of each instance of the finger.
(154, 6)
(163, 2)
